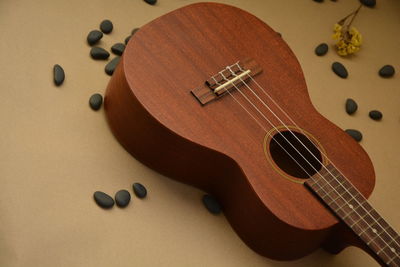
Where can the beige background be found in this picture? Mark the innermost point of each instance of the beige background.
(55, 151)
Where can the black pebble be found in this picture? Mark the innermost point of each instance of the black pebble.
(340, 70)
(351, 106)
(118, 49)
(321, 49)
(99, 53)
(368, 3)
(110, 67)
(103, 200)
(151, 2)
(95, 101)
(58, 74)
(357, 135)
(139, 190)
(106, 26)
(94, 36)
(319, 1)
(386, 71)
(127, 39)
(122, 198)
(375, 115)
(211, 204)
(134, 31)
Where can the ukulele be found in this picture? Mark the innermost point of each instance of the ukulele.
(213, 97)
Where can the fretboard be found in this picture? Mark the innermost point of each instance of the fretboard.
(354, 210)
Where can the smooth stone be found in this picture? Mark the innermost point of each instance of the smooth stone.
(340, 70)
(386, 71)
(127, 39)
(321, 49)
(118, 49)
(110, 67)
(103, 200)
(95, 101)
(151, 2)
(211, 204)
(99, 53)
(94, 36)
(106, 26)
(375, 115)
(58, 74)
(139, 190)
(351, 106)
(122, 198)
(134, 31)
(368, 3)
(357, 135)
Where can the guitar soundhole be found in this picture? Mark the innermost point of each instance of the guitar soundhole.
(285, 143)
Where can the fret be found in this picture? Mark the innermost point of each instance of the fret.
(391, 260)
(346, 210)
(384, 254)
(361, 228)
(392, 232)
(354, 210)
(331, 187)
(333, 199)
(380, 221)
(390, 244)
(354, 223)
(324, 190)
(395, 244)
(373, 238)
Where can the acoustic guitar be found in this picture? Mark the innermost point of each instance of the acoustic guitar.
(213, 97)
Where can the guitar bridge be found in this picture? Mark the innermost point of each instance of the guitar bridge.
(228, 79)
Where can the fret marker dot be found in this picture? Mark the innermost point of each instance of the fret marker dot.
(351, 206)
(374, 230)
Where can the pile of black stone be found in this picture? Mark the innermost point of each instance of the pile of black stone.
(122, 197)
(99, 53)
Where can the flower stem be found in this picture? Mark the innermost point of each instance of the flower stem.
(355, 14)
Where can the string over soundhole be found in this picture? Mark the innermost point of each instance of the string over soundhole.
(295, 153)
(231, 77)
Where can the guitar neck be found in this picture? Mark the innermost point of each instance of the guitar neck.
(354, 210)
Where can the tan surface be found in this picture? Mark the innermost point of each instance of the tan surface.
(55, 151)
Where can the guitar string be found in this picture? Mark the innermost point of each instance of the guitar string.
(308, 149)
(294, 147)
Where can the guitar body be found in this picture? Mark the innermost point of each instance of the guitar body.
(220, 147)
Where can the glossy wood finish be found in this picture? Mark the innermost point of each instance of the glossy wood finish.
(219, 147)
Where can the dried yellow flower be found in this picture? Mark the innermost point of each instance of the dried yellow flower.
(348, 42)
(348, 38)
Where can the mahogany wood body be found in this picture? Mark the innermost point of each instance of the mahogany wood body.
(219, 147)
